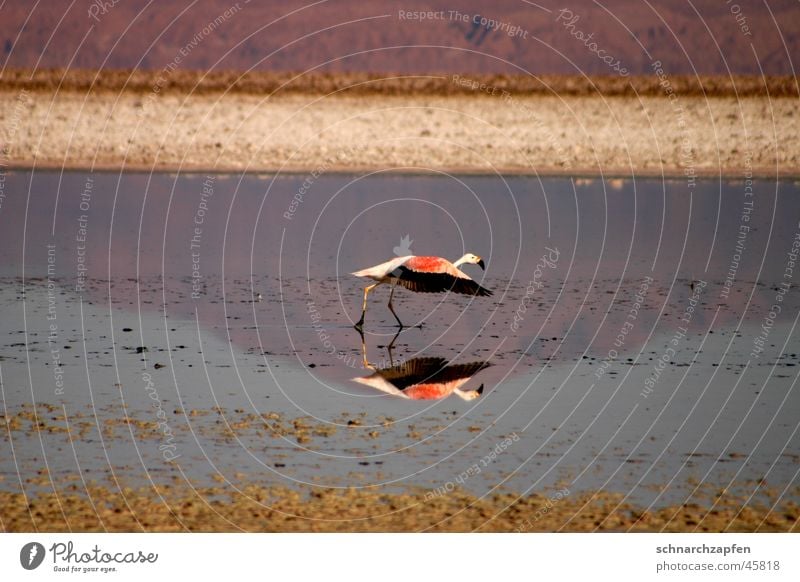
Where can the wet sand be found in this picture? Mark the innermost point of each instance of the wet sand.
(445, 123)
(91, 500)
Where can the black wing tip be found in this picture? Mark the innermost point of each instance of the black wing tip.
(478, 292)
(439, 283)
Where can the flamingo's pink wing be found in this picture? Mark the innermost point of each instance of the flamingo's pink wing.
(434, 275)
(430, 378)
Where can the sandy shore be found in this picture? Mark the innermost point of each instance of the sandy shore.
(256, 508)
(470, 130)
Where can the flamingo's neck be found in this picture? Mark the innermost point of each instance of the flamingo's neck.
(460, 261)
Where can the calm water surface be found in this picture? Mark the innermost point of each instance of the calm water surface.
(641, 337)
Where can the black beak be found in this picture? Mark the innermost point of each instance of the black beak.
(481, 264)
(480, 390)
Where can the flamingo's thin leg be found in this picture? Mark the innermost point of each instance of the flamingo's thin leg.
(391, 295)
(367, 365)
(367, 289)
(391, 345)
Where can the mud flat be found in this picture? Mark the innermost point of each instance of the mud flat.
(131, 405)
(654, 126)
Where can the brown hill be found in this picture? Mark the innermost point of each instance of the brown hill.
(703, 36)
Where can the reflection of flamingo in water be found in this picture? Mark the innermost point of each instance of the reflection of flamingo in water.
(423, 275)
(425, 378)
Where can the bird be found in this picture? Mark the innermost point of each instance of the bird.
(423, 275)
(425, 378)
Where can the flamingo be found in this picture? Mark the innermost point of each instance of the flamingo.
(426, 378)
(423, 378)
(423, 275)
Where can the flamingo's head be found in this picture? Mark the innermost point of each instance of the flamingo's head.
(472, 260)
(473, 394)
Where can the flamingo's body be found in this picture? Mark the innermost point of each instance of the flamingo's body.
(423, 275)
(425, 379)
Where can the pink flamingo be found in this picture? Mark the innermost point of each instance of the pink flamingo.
(425, 379)
(423, 275)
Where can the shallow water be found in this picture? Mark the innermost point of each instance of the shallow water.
(622, 341)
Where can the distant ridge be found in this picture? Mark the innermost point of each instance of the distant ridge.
(265, 83)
